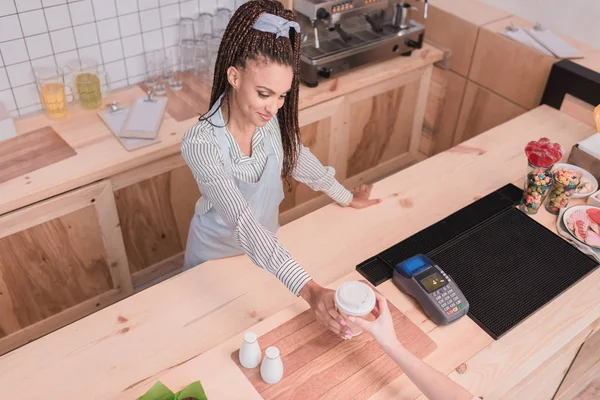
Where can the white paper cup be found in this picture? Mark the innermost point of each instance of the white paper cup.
(355, 299)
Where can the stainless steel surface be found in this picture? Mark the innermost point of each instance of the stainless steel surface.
(341, 35)
(402, 13)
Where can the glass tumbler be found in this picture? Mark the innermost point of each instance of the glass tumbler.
(186, 29)
(173, 73)
(220, 21)
(203, 26)
(565, 185)
(51, 87)
(87, 79)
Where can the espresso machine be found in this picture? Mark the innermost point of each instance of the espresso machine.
(338, 35)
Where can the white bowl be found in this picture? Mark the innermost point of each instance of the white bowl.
(590, 177)
(592, 200)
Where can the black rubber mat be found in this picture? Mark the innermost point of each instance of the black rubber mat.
(506, 264)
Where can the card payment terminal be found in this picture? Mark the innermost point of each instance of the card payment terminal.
(437, 293)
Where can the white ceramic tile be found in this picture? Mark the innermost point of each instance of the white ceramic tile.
(30, 109)
(133, 45)
(33, 22)
(153, 40)
(119, 84)
(57, 17)
(86, 35)
(7, 98)
(116, 71)
(171, 36)
(150, 20)
(92, 52)
(26, 95)
(108, 29)
(63, 40)
(14, 51)
(169, 15)
(207, 6)
(135, 66)
(130, 24)
(43, 62)
(126, 6)
(7, 7)
(50, 3)
(14, 113)
(39, 46)
(104, 9)
(20, 74)
(81, 12)
(189, 8)
(147, 4)
(112, 51)
(63, 58)
(134, 80)
(4, 83)
(167, 2)
(10, 28)
(27, 5)
(228, 4)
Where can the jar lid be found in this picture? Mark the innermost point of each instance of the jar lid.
(272, 352)
(355, 298)
(250, 337)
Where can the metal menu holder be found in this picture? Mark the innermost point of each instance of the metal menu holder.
(144, 118)
(115, 119)
(555, 44)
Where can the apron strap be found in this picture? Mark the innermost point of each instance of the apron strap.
(219, 129)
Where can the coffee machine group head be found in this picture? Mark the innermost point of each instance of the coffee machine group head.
(338, 35)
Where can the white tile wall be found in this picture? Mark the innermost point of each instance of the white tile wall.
(116, 33)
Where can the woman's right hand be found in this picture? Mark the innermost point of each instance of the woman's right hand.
(322, 302)
(382, 328)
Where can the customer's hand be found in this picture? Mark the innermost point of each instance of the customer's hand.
(322, 304)
(362, 196)
(382, 328)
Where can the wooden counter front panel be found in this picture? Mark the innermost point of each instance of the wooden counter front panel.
(155, 209)
(381, 122)
(60, 260)
(51, 267)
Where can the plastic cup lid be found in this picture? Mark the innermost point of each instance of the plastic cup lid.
(250, 337)
(355, 298)
(272, 352)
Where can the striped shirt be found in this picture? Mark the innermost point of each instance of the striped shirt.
(202, 153)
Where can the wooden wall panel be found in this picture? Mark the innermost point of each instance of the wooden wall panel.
(482, 110)
(184, 195)
(51, 267)
(380, 127)
(316, 137)
(148, 223)
(578, 109)
(509, 68)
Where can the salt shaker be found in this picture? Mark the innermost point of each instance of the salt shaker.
(250, 352)
(271, 369)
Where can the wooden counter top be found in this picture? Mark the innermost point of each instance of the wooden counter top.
(185, 328)
(100, 155)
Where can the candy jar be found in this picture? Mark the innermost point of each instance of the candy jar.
(271, 369)
(565, 185)
(250, 352)
(541, 157)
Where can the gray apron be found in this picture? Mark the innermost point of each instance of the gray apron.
(209, 237)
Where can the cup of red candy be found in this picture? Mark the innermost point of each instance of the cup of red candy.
(541, 157)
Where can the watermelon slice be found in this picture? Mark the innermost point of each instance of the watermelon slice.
(581, 229)
(594, 214)
(593, 239)
(595, 227)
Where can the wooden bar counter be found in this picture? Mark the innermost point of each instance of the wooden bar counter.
(94, 223)
(185, 328)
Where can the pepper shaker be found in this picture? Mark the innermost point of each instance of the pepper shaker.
(271, 369)
(250, 353)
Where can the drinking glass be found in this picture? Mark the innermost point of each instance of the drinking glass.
(87, 79)
(51, 87)
(201, 60)
(152, 68)
(220, 21)
(161, 81)
(203, 26)
(213, 50)
(173, 73)
(186, 29)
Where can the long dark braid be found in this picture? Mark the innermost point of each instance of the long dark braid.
(240, 43)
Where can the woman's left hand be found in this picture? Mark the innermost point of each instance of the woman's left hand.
(362, 196)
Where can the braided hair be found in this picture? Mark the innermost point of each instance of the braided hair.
(240, 43)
